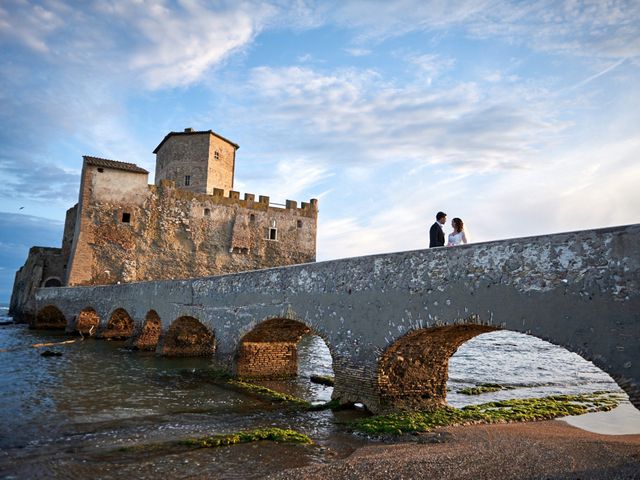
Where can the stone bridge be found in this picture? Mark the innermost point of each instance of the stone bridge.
(391, 321)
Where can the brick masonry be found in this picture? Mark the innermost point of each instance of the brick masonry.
(579, 290)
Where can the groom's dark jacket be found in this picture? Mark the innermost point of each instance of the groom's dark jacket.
(436, 236)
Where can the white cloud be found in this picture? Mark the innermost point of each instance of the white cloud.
(179, 47)
(288, 179)
(364, 119)
(592, 28)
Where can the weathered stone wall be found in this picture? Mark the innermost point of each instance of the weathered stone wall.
(42, 264)
(579, 290)
(207, 159)
(173, 233)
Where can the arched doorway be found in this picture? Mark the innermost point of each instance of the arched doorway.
(270, 350)
(52, 282)
(187, 337)
(50, 317)
(413, 371)
(120, 326)
(150, 334)
(88, 322)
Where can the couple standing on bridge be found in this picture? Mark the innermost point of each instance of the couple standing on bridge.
(436, 233)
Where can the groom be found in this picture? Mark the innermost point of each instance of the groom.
(436, 234)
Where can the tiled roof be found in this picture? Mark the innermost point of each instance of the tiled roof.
(191, 132)
(103, 162)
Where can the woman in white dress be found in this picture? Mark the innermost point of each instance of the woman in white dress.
(457, 237)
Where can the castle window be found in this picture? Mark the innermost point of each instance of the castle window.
(252, 218)
(273, 234)
(207, 212)
(126, 217)
(216, 155)
(100, 169)
(299, 223)
(187, 180)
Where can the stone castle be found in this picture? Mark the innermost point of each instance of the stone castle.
(190, 223)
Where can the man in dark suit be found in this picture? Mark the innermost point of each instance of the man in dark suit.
(436, 234)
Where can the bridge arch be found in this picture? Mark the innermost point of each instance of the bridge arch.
(188, 337)
(269, 350)
(413, 370)
(150, 332)
(50, 317)
(120, 325)
(88, 322)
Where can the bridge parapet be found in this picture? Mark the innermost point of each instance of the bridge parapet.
(580, 290)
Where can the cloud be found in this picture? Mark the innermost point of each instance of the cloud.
(354, 116)
(162, 44)
(592, 28)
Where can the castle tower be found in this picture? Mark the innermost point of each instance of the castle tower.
(196, 161)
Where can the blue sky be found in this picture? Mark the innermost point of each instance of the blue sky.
(522, 118)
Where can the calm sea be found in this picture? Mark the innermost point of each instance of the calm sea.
(68, 416)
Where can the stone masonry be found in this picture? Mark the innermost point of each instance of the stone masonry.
(191, 223)
(392, 321)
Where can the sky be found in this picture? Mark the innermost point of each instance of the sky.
(521, 118)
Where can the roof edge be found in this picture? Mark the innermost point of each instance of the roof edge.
(171, 134)
(114, 164)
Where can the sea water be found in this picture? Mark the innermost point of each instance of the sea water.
(70, 416)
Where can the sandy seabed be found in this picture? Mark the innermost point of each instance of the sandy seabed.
(538, 450)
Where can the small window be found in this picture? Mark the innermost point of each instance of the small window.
(207, 212)
(273, 234)
(187, 180)
(126, 217)
(252, 218)
(299, 223)
(100, 169)
(216, 155)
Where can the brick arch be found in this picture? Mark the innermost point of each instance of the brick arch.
(269, 350)
(120, 325)
(49, 318)
(88, 322)
(150, 333)
(188, 337)
(413, 371)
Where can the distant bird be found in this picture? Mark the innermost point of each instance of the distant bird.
(20, 208)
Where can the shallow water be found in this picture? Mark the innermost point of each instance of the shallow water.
(67, 416)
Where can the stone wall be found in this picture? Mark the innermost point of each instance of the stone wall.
(173, 233)
(42, 264)
(387, 319)
(206, 158)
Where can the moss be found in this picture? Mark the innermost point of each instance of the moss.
(322, 380)
(484, 388)
(517, 410)
(271, 434)
(256, 435)
(268, 394)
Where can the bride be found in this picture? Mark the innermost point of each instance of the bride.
(458, 236)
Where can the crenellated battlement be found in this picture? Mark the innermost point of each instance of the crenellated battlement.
(190, 222)
(247, 200)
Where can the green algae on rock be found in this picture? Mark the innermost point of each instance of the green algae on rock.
(270, 434)
(484, 388)
(516, 410)
(268, 394)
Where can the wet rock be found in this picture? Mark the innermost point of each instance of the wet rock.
(51, 353)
